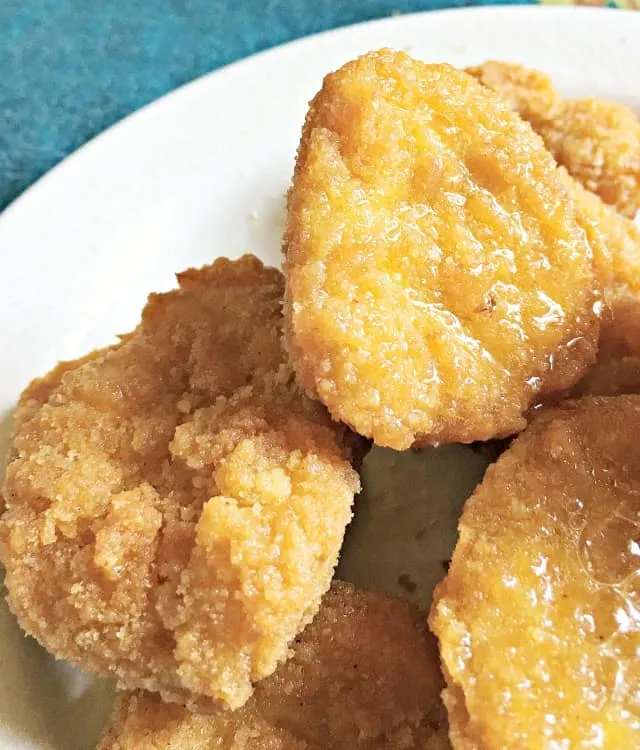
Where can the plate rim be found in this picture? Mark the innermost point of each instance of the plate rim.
(149, 109)
(21, 207)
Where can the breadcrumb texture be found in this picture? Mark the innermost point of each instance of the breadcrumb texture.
(437, 280)
(365, 674)
(538, 618)
(530, 92)
(175, 505)
(616, 244)
(615, 239)
(597, 141)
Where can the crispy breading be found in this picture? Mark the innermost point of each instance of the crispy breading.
(614, 238)
(538, 617)
(175, 505)
(530, 92)
(597, 141)
(599, 144)
(365, 674)
(616, 244)
(435, 286)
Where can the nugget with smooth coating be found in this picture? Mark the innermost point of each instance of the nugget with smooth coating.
(175, 505)
(437, 280)
(365, 674)
(597, 141)
(538, 618)
(616, 244)
(614, 238)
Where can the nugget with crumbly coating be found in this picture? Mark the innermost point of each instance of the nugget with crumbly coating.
(175, 505)
(538, 617)
(599, 144)
(437, 280)
(530, 92)
(365, 674)
(597, 141)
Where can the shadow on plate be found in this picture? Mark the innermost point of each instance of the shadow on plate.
(44, 703)
(405, 525)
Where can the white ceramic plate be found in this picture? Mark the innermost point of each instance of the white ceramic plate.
(202, 173)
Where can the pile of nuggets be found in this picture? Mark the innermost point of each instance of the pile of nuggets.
(461, 265)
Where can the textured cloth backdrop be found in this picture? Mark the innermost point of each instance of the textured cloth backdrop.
(70, 68)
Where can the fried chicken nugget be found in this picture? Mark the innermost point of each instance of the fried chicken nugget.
(364, 674)
(437, 281)
(616, 244)
(175, 505)
(539, 616)
(530, 92)
(614, 238)
(597, 141)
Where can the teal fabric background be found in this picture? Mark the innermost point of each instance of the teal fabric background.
(70, 68)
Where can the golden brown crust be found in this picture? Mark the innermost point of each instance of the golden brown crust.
(364, 674)
(526, 90)
(537, 618)
(616, 244)
(175, 505)
(434, 287)
(599, 144)
(597, 141)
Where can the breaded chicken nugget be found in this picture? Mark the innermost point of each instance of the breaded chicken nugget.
(616, 244)
(364, 674)
(606, 137)
(175, 505)
(437, 281)
(538, 618)
(599, 144)
(597, 141)
(530, 92)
